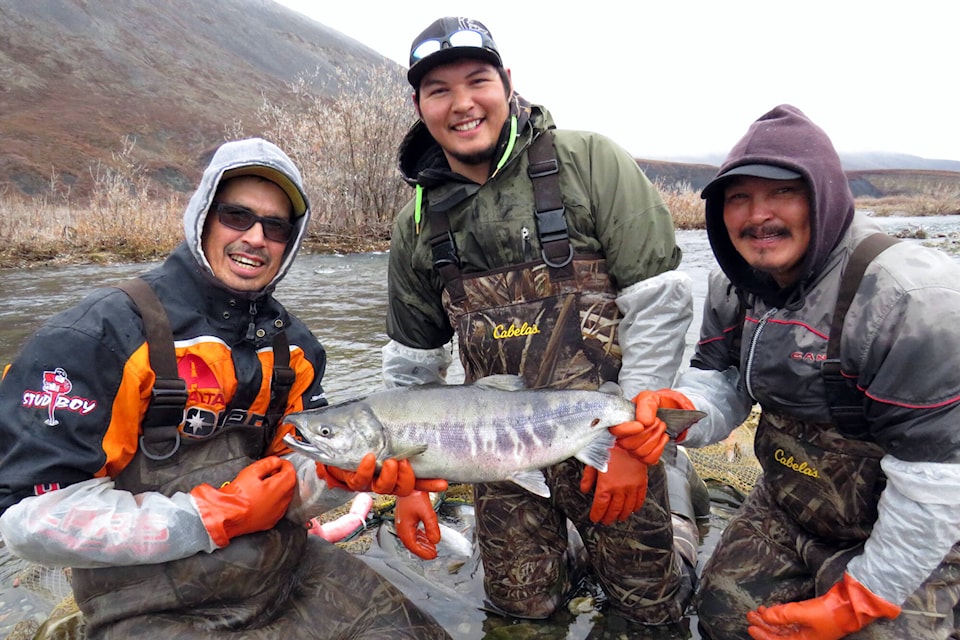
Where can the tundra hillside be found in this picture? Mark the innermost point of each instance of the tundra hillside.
(346, 148)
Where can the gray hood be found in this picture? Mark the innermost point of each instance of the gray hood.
(253, 156)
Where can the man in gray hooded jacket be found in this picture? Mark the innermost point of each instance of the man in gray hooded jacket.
(853, 529)
(172, 493)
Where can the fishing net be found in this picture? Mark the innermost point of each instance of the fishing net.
(50, 583)
(730, 462)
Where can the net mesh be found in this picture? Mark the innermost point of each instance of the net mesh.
(730, 462)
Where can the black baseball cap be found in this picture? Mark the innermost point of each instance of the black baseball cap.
(769, 171)
(448, 39)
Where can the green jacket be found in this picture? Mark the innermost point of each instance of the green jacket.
(612, 210)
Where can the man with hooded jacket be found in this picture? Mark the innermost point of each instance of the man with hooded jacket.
(853, 529)
(568, 285)
(195, 526)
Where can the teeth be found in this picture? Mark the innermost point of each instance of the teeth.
(467, 126)
(245, 261)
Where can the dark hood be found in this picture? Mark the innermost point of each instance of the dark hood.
(784, 137)
(421, 159)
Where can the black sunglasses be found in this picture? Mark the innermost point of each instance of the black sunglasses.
(241, 218)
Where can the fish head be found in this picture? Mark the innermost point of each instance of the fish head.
(339, 435)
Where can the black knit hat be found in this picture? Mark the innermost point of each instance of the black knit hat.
(446, 40)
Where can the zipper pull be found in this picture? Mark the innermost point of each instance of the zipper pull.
(525, 243)
(251, 329)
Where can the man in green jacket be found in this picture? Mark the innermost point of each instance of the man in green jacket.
(569, 288)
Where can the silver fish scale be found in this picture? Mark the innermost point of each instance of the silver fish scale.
(475, 434)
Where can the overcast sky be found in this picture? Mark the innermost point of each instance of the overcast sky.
(680, 78)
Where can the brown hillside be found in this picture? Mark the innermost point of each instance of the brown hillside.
(864, 184)
(879, 184)
(78, 77)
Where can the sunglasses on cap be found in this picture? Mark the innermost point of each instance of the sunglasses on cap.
(461, 38)
(240, 218)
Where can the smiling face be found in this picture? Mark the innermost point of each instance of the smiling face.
(246, 260)
(464, 105)
(768, 222)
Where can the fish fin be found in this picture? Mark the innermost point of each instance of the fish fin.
(533, 481)
(679, 420)
(597, 452)
(502, 381)
(405, 454)
(611, 387)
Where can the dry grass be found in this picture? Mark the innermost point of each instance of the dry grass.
(684, 204)
(122, 224)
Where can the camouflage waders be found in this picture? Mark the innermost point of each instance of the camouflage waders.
(779, 547)
(561, 334)
(279, 583)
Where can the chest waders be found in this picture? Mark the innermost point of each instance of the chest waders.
(168, 463)
(828, 476)
(551, 321)
(554, 322)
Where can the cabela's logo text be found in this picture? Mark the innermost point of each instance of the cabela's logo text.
(513, 331)
(800, 467)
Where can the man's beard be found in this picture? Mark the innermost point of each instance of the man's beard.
(479, 157)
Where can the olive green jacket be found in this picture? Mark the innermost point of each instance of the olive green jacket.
(612, 210)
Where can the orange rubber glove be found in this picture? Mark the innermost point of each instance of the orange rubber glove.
(396, 477)
(646, 436)
(847, 607)
(254, 501)
(409, 513)
(620, 490)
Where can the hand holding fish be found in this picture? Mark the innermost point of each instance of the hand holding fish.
(410, 512)
(646, 436)
(396, 477)
(620, 490)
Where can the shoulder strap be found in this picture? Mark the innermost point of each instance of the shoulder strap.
(557, 252)
(280, 384)
(165, 412)
(445, 258)
(846, 402)
(544, 172)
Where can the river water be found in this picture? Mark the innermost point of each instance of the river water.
(342, 298)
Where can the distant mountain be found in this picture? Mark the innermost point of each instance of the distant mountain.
(871, 179)
(79, 76)
(863, 161)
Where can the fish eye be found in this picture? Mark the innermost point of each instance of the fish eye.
(326, 432)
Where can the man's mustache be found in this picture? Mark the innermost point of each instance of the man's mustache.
(765, 231)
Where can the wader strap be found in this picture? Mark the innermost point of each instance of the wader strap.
(544, 172)
(845, 400)
(280, 385)
(445, 259)
(165, 412)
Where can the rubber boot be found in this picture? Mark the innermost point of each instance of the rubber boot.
(688, 501)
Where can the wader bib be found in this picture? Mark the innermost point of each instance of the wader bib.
(828, 483)
(553, 334)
